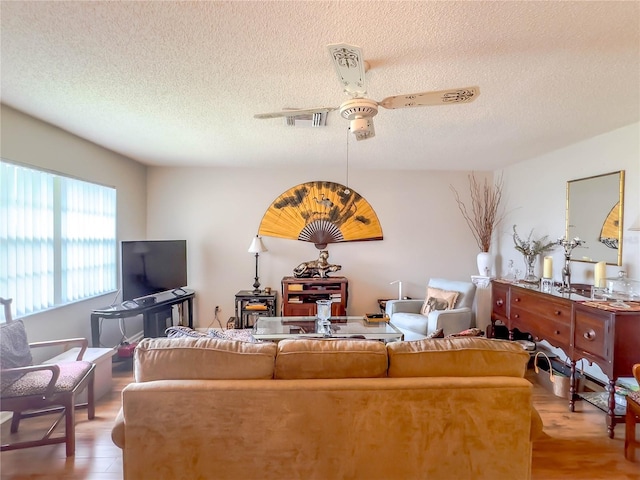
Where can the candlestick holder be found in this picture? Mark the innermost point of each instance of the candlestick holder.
(546, 284)
(568, 246)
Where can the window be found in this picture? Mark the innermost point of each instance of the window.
(57, 238)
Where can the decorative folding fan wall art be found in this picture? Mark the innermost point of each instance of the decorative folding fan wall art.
(611, 228)
(321, 213)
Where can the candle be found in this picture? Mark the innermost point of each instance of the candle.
(600, 274)
(547, 270)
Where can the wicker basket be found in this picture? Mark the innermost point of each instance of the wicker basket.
(552, 379)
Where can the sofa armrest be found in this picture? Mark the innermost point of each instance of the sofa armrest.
(117, 432)
(450, 321)
(404, 306)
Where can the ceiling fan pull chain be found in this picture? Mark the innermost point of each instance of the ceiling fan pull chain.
(347, 191)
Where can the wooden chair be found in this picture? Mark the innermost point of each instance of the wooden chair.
(631, 419)
(30, 390)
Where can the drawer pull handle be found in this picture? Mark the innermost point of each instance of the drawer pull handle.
(516, 299)
(499, 302)
(557, 332)
(590, 335)
(516, 316)
(558, 312)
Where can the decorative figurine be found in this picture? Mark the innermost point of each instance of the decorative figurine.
(316, 268)
(568, 246)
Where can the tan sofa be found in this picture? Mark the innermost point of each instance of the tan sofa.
(200, 408)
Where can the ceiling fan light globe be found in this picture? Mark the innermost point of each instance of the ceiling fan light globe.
(359, 125)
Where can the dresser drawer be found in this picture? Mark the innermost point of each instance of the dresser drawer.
(539, 305)
(557, 333)
(499, 301)
(591, 334)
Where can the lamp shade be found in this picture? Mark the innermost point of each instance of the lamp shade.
(257, 246)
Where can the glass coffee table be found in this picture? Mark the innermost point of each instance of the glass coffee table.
(279, 328)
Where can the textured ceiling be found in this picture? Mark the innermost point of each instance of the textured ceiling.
(177, 83)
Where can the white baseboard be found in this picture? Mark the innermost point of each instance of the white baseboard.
(135, 338)
(4, 416)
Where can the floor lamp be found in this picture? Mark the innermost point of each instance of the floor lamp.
(257, 247)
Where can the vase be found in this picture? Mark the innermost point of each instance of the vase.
(485, 262)
(323, 314)
(530, 264)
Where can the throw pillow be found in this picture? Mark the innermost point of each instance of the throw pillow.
(14, 351)
(238, 335)
(470, 332)
(181, 331)
(438, 299)
(439, 333)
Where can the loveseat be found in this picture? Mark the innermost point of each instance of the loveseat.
(412, 318)
(201, 408)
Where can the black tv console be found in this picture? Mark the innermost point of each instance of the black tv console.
(160, 307)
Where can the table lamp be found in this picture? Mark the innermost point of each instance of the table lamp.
(257, 247)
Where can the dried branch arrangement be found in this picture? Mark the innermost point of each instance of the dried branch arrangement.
(483, 215)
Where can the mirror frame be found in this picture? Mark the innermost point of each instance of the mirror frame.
(620, 211)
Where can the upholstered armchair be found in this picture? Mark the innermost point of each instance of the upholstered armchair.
(407, 317)
(30, 390)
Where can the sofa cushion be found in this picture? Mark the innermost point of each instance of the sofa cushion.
(188, 358)
(336, 358)
(456, 357)
(438, 299)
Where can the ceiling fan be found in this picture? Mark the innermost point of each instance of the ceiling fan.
(359, 110)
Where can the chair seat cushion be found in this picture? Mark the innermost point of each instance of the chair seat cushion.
(35, 383)
(416, 322)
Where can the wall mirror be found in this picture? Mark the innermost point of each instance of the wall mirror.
(594, 213)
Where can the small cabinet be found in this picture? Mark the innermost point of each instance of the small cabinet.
(250, 305)
(299, 295)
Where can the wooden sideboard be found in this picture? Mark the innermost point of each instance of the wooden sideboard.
(299, 295)
(608, 338)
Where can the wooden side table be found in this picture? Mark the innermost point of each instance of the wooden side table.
(250, 305)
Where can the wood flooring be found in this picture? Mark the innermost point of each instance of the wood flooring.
(575, 445)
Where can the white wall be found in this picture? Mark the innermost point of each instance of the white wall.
(536, 197)
(218, 211)
(30, 141)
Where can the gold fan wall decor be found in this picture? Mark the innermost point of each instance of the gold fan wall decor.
(611, 228)
(321, 213)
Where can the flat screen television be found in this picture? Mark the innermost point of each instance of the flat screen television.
(152, 266)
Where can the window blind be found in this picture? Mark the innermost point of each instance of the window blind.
(58, 238)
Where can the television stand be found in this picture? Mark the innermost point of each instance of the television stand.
(152, 313)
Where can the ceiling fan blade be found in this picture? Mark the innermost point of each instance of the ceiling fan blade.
(442, 97)
(294, 112)
(349, 64)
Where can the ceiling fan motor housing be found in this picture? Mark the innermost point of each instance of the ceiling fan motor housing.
(359, 108)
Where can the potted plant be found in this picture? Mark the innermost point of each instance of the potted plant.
(531, 249)
(482, 216)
